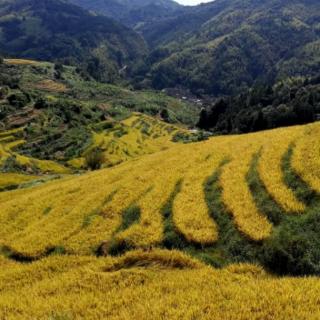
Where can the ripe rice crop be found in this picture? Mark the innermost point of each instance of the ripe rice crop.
(236, 193)
(14, 179)
(190, 209)
(73, 212)
(271, 173)
(150, 285)
(52, 235)
(306, 156)
(8, 144)
(131, 138)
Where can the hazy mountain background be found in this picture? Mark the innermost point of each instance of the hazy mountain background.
(222, 47)
(132, 13)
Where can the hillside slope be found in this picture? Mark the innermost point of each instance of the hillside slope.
(219, 48)
(205, 200)
(52, 119)
(161, 224)
(55, 30)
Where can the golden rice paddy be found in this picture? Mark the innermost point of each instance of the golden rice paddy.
(77, 215)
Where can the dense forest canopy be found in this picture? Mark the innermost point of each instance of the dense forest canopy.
(263, 107)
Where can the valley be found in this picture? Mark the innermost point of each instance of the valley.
(159, 161)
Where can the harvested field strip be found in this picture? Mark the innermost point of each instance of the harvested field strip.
(50, 85)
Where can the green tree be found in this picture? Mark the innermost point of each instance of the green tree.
(94, 159)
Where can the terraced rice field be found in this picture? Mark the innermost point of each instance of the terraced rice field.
(11, 140)
(8, 180)
(148, 183)
(87, 246)
(51, 86)
(131, 138)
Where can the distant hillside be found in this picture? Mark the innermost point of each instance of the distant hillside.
(50, 114)
(132, 13)
(226, 46)
(55, 30)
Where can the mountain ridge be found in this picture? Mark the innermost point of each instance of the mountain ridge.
(57, 30)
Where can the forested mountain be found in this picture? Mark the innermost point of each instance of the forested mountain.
(226, 46)
(56, 30)
(132, 13)
(220, 48)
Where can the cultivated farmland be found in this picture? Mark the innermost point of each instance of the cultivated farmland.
(199, 222)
